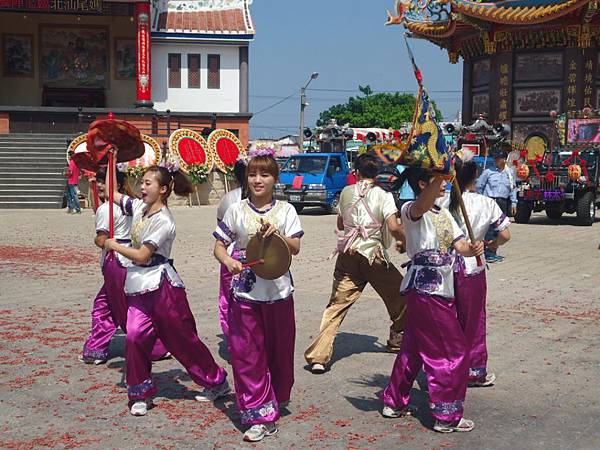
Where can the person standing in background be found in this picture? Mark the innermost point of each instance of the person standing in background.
(72, 174)
(498, 184)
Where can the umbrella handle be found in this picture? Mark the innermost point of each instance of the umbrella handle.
(111, 196)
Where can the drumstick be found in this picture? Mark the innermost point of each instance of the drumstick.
(256, 262)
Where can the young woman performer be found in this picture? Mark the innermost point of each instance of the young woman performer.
(234, 196)
(158, 305)
(470, 286)
(433, 337)
(110, 306)
(262, 327)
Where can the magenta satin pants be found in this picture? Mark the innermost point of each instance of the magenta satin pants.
(165, 314)
(434, 340)
(109, 312)
(224, 294)
(471, 293)
(261, 341)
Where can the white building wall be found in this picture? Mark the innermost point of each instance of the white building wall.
(225, 99)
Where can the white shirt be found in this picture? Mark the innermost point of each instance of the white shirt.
(240, 223)
(376, 239)
(122, 229)
(484, 213)
(429, 243)
(228, 199)
(158, 230)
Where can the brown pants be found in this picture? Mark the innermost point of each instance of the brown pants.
(351, 275)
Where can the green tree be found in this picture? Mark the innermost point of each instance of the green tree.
(383, 110)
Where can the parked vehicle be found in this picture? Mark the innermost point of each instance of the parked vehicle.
(558, 189)
(313, 179)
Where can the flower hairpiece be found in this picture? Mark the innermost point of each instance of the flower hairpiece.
(261, 151)
(170, 163)
(122, 167)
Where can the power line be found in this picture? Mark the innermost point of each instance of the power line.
(274, 104)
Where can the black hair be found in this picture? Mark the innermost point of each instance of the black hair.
(122, 185)
(413, 175)
(466, 174)
(367, 165)
(239, 172)
(175, 182)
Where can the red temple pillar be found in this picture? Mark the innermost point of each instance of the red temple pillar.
(143, 63)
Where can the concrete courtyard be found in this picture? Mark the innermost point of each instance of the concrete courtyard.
(543, 339)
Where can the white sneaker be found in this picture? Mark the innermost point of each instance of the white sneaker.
(258, 432)
(139, 408)
(490, 379)
(393, 413)
(317, 368)
(88, 360)
(447, 427)
(212, 394)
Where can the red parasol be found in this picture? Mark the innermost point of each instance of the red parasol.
(105, 134)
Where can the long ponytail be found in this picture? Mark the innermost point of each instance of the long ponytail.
(174, 181)
(466, 174)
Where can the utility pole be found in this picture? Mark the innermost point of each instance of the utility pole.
(303, 105)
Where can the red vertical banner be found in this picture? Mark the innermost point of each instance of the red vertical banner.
(143, 64)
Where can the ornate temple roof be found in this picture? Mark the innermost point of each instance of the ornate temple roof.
(433, 16)
(446, 22)
(206, 18)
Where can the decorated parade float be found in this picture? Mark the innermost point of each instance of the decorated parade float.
(522, 59)
(565, 178)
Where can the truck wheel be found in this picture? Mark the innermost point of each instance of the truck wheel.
(586, 209)
(298, 207)
(523, 213)
(334, 206)
(554, 213)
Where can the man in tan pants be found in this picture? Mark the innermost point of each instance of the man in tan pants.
(367, 215)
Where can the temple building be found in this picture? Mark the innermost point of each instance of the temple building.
(522, 59)
(161, 64)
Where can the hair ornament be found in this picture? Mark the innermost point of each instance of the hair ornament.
(261, 150)
(170, 163)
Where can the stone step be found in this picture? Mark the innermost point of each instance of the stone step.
(33, 155)
(38, 170)
(26, 180)
(45, 147)
(15, 196)
(21, 162)
(30, 204)
(30, 190)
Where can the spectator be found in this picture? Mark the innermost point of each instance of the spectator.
(72, 174)
(498, 184)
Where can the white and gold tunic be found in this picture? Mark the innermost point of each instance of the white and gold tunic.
(158, 230)
(242, 221)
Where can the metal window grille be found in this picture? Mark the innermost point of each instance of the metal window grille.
(174, 70)
(193, 71)
(214, 72)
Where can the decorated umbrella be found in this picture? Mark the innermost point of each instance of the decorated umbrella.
(102, 136)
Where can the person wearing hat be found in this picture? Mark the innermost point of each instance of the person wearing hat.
(498, 183)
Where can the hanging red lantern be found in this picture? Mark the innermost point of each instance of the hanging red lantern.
(574, 171)
(550, 177)
(523, 172)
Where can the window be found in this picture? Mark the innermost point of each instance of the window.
(214, 72)
(174, 70)
(193, 71)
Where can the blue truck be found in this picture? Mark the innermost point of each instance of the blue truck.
(313, 179)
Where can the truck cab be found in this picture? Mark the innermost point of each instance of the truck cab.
(313, 179)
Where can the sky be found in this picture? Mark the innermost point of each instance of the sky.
(347, 43)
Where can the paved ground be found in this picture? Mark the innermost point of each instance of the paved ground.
(544, 312)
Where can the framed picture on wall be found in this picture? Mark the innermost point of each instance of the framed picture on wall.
(17, 55)
(537, 102)
(539, 66)
(73, 56)
(481, 72)
(481, 104)
(125, 58)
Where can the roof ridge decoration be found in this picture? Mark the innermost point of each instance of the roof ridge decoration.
(200, 5)
(432, 17)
